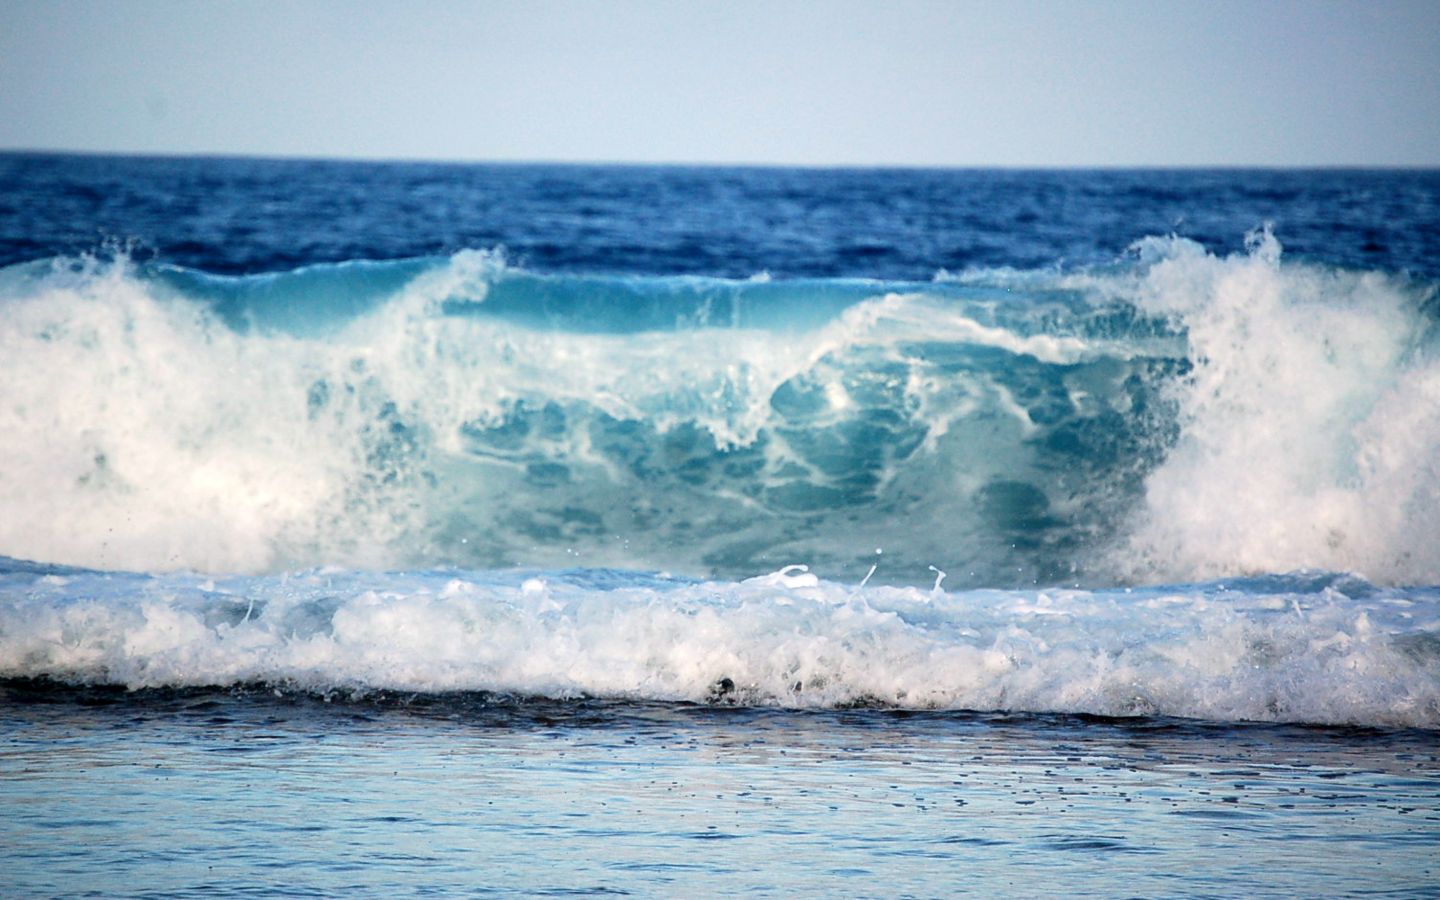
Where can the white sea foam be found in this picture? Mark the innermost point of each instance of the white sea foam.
(130, 436)
(1309, 426)
(1303, 653)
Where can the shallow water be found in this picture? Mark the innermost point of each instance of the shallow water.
(165, 793)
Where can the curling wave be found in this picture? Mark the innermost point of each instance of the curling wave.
(1177, 417)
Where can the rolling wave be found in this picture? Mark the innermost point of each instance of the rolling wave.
(1178, 416)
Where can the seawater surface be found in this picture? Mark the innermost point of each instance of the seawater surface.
(192, 792)
(545, 529)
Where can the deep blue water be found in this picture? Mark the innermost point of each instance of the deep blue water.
(246, 216)
(393, 527)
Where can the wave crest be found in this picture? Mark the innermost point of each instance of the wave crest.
(1180, 416)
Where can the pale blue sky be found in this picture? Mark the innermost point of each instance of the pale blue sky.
(1265, 82)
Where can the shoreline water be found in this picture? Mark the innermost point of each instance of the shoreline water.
(201, 792)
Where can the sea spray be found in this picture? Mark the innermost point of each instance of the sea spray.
(1309, 425)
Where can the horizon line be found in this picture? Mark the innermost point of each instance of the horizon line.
(713, 164)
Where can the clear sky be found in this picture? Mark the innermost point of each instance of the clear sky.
(1016, 83)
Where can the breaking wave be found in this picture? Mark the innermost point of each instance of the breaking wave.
(1177, 417)
(1310, 648)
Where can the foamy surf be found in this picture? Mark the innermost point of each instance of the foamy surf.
(1309, 648)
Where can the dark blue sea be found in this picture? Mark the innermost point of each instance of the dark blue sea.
(401, 528)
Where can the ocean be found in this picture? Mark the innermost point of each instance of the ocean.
(409, 528)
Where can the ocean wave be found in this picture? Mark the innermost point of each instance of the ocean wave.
(1310, 647)
(1174, 417)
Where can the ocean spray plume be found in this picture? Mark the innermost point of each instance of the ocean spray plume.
(1309, 426)
(141, 432)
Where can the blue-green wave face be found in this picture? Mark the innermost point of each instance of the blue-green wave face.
(1176, 416)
